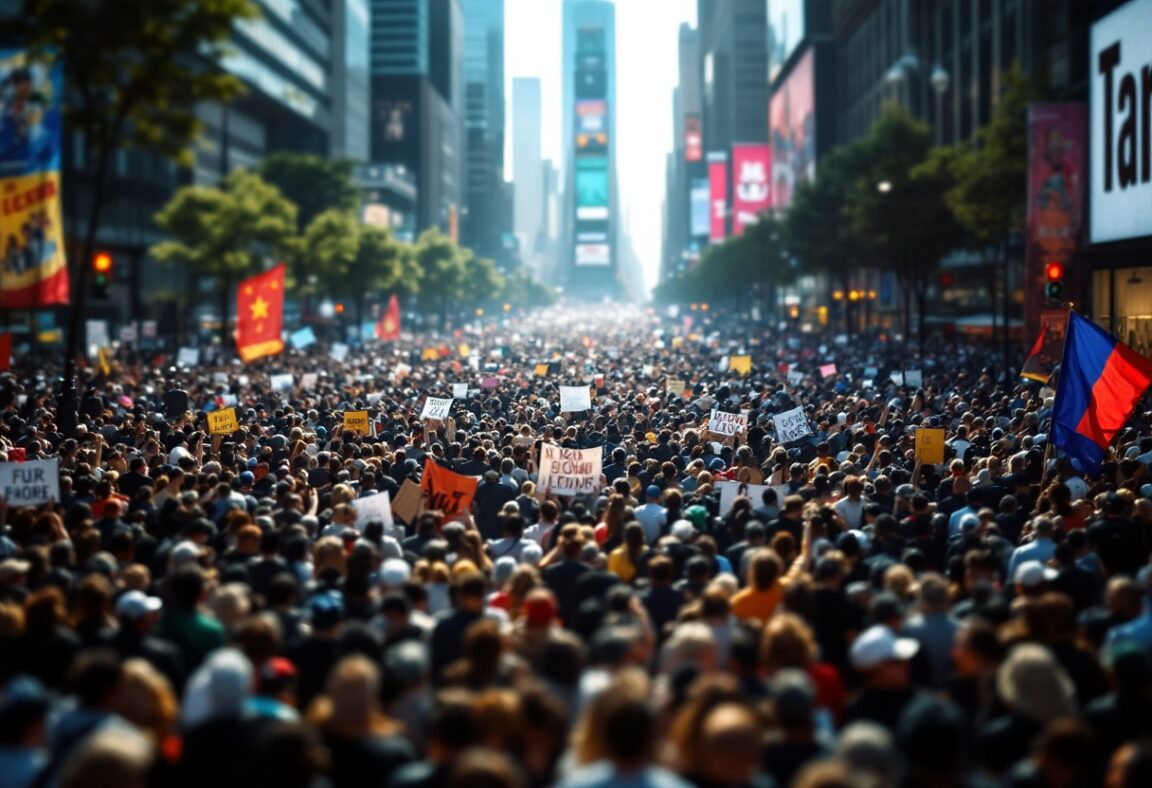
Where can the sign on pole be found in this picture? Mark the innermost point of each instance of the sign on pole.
(570, 471)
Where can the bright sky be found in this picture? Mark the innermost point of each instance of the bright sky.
(646, 72)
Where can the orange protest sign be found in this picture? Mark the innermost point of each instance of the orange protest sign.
(446, 491)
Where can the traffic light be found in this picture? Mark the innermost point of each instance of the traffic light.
(101, 273)
(1054, 273)
(340, 309)
(947, 280)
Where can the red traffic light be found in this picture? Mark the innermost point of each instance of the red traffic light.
(947, 279)
(339, 309)
(1054, 271)
(102, 263)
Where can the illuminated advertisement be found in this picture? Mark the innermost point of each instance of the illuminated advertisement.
(717, 197)
(593, 254)
(693, 139)
(792, 127)
(592, 187)
(591, 115)
(698, 201)
(751, 190)
(785, 32)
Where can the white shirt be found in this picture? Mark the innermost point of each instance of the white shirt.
(1077, 487)
(652, 516)
(540, 532)
(851, 511)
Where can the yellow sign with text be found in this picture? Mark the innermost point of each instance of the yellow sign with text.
(356, 421)
(930, 445)
(223, 422)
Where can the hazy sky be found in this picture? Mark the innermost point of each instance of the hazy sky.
(646, 73)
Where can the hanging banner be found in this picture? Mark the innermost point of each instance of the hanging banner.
(436, 408)
(569, 471)
(574, 399)
(1056, 177)
(751, 190)
(791, 425)
(718, 192)
(445, 491)
(33, 270)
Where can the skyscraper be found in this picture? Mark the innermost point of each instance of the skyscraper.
(591, 212)
(734, 62)
(416, 66)
(351, 85)
(527, 171)
(482, 227)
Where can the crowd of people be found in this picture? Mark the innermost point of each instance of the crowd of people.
(201, 609)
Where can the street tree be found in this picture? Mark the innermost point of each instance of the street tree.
(226, 232)
(381, 266)
(314, 183)
(442, 262)
(135, 76)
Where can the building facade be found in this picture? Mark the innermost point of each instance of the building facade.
(528, 175)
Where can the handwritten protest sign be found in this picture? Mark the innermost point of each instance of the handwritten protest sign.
(827, 370)
(436, 408)
(223, 422)
(727, 424)
(795, 377)
(741, 365)
(575, 398)
(303, 338)
(930, 445)
(730, 491)
(30, 483)
(188, 357)
(339, 352)
(675, 386)
(489, 382)
(791, 425)
(870, 373)
(309, 380)
(407, 503)
(570, 471)
(897, 378)
(459, 390)
(541, 370)
(283, 382)
(356, 422)
(373, 509)
(446, 491)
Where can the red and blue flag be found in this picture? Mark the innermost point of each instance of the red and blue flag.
(1100, 382)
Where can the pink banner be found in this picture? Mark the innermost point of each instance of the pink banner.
(718, 193)
(1056, 176)
(751, 191)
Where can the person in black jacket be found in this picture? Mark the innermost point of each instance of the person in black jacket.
(138, 614)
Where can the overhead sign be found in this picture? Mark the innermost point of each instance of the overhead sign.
(751, 189)
(727, 424)
(570, 471)
(791, 425)
(593, 254)
(1120, 136)
(436, 408)
(30, 483)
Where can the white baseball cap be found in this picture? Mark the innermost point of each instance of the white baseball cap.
(1033, 573)
(136, 604)
(878, 644)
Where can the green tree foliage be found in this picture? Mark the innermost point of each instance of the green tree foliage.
(482, 282)
(442, 263)
(315, 184)
(326, 252)
(381, 265)
(226, 232)
(135, 73)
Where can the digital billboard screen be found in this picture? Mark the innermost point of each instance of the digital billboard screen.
(717, 197)
(698, 199)
(593, 254)
(785, 32)
(693, 139)
(751, 190)
(792, 128)
(591, 115)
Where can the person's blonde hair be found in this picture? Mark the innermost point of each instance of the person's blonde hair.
(350, 705)
(146, 700)
(899, 579)
(787, 643)
(589, 742)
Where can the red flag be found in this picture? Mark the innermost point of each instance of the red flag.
(388, 328)
(1034, 367)
(260, 315)
(5, 351)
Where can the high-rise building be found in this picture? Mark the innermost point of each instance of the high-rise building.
(417, 68)
(527, 171)
(589, 123)
(686, 169)
(351, 83)
(481, 227)
(733, 68)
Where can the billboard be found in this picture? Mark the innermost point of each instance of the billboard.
(1056, 161)
(33, 271)
(693, 139)
(591, 115)
(717, 197)
(593, 254)
(792, 128)
(698, 203)
(751, 190)
(1121, 171)
(592, 187)
(785, 32)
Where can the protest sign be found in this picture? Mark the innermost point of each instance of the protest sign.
(674, 386)
(188, 357)
(729, 491)
(569, 471)
(575, 398)
(791, 425)
(827, 370)
(459, 390)
(727, 424)
(220, 378)
(930, 445)
(30, 483)
(128, 333)
(338, 351)
(283, 382)
(870, 373)
(436, 408)
(223, 422)
(309, 380)
(741, 365)
(445, 491)
(356, 422)
(541, 370)
(489, 382)
(303, 338)
(407, 503)
(373, 509)
(913, 377)
(795, 377)
(897, 378)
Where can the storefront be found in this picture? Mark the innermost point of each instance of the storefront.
(1119, 252)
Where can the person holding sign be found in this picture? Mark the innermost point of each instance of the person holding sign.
(356, 422)
(223, 422)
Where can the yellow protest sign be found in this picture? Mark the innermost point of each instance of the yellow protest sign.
(677, 342)
(464, 350)
(541, 370)
(742, 365)
(356, 421)
(223, 422)
(930, 445)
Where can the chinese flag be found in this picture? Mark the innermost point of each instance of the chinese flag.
(5, 351)
(260, 315)
(388, 328)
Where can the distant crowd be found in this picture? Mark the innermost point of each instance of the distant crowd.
(833, 610)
